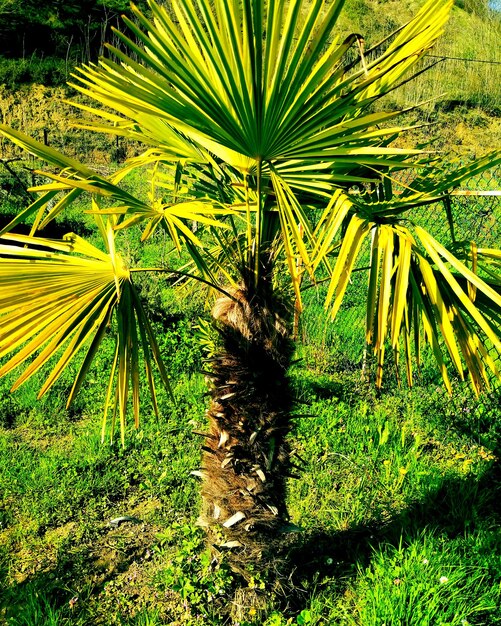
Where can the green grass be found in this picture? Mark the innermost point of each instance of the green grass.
(51, 71)
(396, 497)
(398, 491)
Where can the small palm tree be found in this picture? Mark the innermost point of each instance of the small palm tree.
(257, 122)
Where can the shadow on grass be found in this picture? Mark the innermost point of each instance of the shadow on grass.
(61, 592)
(457, 507)
(479, 421)
(54, 230)
(44, 597)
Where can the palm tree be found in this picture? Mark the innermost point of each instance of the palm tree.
(258, 121)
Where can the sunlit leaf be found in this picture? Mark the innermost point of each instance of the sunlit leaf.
(60, 296)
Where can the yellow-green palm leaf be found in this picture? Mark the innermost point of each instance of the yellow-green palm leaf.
(263, 79)
(58, 298)
(416, 289)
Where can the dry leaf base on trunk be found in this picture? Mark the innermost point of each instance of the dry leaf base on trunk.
(246, 458)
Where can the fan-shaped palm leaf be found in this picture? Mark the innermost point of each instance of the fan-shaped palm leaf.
(60, 296)
(210, 72)
(414, 285)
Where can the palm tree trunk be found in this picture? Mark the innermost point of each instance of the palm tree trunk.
(246, 458)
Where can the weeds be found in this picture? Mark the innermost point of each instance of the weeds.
(426, 582)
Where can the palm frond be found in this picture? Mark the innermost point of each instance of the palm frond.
(60, 296)
(210, 74)
(422, 286)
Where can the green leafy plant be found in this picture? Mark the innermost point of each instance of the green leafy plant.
(191, 572)
(269, 168)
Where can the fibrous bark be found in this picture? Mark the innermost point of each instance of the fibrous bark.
(246, 457)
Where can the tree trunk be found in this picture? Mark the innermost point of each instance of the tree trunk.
(246, 457)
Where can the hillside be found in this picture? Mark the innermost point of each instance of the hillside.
(464, 96)
(42, 44)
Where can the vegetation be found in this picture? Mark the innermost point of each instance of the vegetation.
(43, 43)
(66, 30)
(284, 171)
(398, 492)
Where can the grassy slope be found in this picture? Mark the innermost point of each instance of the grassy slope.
(467, 36)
